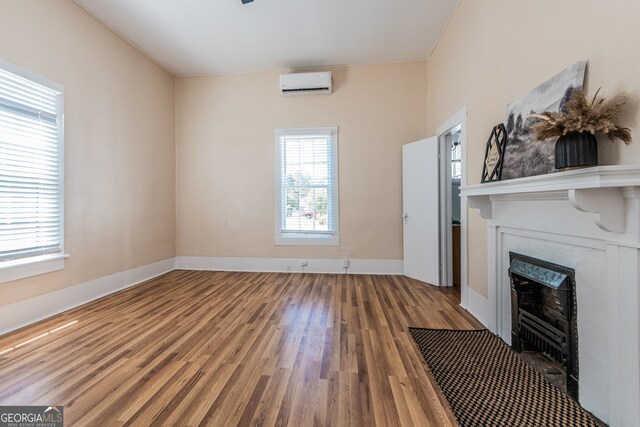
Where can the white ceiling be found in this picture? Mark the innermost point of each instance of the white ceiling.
(189, 37)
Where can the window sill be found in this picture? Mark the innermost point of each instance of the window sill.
(307, 241)
(32, 266)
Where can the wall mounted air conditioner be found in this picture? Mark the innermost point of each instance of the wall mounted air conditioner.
(306, 83)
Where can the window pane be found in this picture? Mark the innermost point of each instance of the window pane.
(306, 179)
(307, 209)
(456, 165)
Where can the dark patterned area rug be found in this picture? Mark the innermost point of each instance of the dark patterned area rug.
(487, 384)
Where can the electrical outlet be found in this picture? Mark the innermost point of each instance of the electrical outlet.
(304, 263)
(345, 263)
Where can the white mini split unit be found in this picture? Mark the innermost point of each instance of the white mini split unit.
(306, 84)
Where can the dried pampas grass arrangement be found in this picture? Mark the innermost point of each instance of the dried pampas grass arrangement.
(583, 115)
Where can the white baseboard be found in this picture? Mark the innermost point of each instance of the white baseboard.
(479, 307)
(283, 265)
(22, 313)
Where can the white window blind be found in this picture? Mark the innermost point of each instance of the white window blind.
(307, 183)
(31, 210)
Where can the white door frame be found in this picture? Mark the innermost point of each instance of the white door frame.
(445, 196)
(445, 208)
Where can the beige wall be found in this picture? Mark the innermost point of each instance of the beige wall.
(226, 149)
(120, 151)
(494, 51)
(119, 141)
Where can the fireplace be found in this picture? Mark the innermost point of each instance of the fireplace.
(587, 220)
(544, 319)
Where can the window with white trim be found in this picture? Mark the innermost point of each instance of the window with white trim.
(456, 153)
(307, 187)
(31, 169)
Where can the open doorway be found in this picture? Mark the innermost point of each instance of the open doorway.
(452, 147)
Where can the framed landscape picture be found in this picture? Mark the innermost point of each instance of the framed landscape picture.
(524, 155)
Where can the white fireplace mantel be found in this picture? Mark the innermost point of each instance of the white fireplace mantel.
(600, 190)
(587, 220)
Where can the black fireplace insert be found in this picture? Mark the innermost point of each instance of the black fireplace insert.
(544, 318)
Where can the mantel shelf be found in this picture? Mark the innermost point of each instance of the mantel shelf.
(598, 190)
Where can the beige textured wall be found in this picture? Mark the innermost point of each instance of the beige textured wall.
(225, 158)
(119, 141)
(494, 51)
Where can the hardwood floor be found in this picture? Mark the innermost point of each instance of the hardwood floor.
(219, 348)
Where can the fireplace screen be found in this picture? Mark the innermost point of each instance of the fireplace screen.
(544, 321)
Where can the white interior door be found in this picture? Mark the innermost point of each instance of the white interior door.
(421, 210)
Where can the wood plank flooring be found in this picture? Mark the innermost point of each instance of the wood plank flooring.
(196, 348)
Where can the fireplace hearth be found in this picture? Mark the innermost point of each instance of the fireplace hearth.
(544, 319)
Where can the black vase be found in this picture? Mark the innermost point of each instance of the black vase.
(576, 150)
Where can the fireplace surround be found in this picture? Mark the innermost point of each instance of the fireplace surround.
(589, 221)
